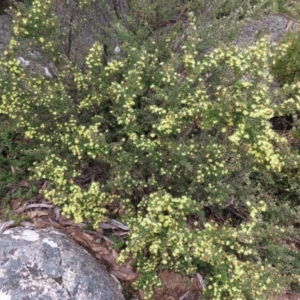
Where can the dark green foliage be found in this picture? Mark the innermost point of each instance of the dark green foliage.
(16, 155)
(287, 68)
(4, 4)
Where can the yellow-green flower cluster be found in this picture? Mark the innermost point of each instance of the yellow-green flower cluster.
(73, 198)
(170, 244)
(40, 22)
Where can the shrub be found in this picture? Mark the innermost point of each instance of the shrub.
(173, 131)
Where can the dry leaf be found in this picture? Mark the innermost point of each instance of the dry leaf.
(109, 259)
(79, 238)
(114, 253)
(38, 205)
(23, 183)
(125, 273)
(184, 296)
(98, 255)
(15, 204)
(177, 286)
(20, 210)
(6, 225)
(106, 226)
(57, 214)
(12, 169)
(107, 239)
(100, 230)
(43, 224)
(37, 213)
(88, 236)
(97, 247)
(45, 185)
(65, 222)
(118, 233)
(202, 282)
(115, 211)
(113, 224)
(28, 224)
(118, 224)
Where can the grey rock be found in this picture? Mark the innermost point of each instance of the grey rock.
(272, 26)
(43, 264)
(6, 25)
(23, 62)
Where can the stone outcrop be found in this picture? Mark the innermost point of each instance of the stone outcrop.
(45, 264)
(273, 26)
(6, 24)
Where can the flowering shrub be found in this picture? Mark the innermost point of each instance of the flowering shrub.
(175, 133)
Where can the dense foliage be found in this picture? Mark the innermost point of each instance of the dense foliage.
(170, 126)
(287, 67)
